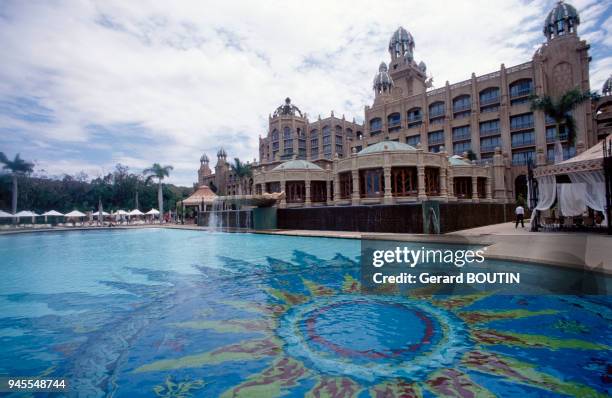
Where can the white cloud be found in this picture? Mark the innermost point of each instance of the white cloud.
(194, 75)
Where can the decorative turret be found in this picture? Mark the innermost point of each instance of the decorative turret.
(204, 159)
(563, 19)
(607, 87)
(401, 45)
(221, 154)
(287, 110)
(382, 80)
(422, 67)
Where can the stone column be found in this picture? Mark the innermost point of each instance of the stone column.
(451, 183)
(388, 197)
(475, 198)
(283, 202)
(307, 201)
(499, 176)
(420, 174)
(442, 178)
(488, 186)
(421, 178)
(328, 185)
(355, 197)
(336, 182)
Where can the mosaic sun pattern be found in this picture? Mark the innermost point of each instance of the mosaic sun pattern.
(300, 327)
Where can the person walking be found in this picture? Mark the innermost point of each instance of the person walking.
(520, 215)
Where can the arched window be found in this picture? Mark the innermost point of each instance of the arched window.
(314, 144)
(275, 135)
(436, 110)
(461, 103)
(327, 142)
(489, 99)
(375, 126)
(349, 133)
(359, 135)
(288, 141)
(520, 88)
(414, 117)
(394, 121)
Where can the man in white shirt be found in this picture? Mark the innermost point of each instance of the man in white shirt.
(520, 215)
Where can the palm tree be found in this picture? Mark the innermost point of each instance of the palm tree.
(560, 110)
(17, 167)
(160, 172)
(242, 172)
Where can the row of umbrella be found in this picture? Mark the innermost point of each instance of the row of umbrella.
(77, 214)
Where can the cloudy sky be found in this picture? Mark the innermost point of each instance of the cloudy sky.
(88, 84)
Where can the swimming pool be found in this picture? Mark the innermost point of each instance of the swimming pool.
(158, 312)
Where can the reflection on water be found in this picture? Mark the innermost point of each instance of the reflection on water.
(181, 313)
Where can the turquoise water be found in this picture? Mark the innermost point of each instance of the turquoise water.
(158, 312)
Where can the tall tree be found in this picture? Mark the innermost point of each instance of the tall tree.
(160, 172)
(560, 110)
(242, 172)
(17, 167)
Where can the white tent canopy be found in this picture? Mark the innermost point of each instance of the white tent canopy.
(75, 213)
(97, 213)
(121, 213)
(4, 214)
(153, 212)
(136, 212)
(52, 213)
(587, 187)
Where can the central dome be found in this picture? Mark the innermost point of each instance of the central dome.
(297, 165)
(387, 146)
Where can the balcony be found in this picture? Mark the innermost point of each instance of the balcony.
(521, 92)
(551, 138)
(489, 101)
(522, 143)
(489, 148)
(488, 132)
(461, 137)
(521, 126)
(435, 141)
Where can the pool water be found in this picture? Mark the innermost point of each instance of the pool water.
(174, 313)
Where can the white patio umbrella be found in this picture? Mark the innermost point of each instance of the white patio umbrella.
(104, 214)
(75, 214)
(121, 213)
(136, 212)
(52, 213)
(4, 214)
(27, 213)
(153, 212)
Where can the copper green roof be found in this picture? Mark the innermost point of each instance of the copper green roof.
(297, 165)
(386, 146)
(457, 160)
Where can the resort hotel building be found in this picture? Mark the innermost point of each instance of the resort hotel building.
(469, 141)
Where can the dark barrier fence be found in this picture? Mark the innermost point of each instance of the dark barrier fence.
(394, 218)
(456, 216)
(378, 218)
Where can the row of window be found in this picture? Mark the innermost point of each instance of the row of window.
(489, 101)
